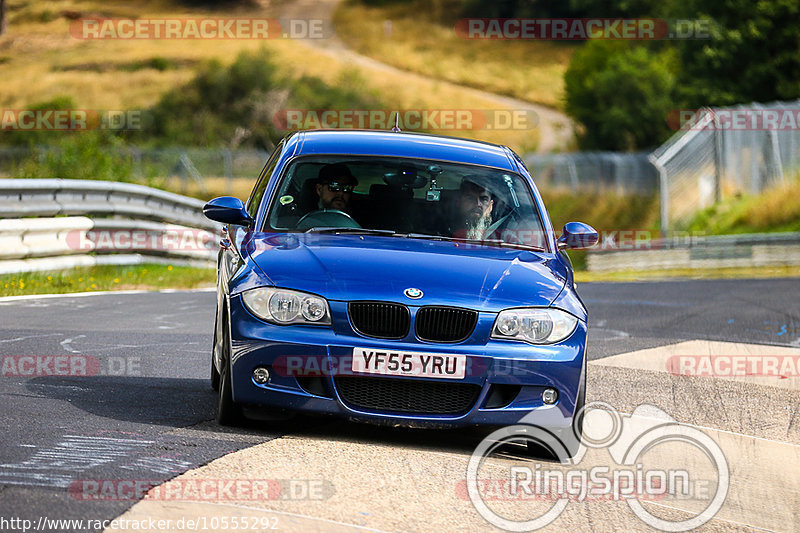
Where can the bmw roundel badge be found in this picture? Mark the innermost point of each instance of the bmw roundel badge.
(413, 293)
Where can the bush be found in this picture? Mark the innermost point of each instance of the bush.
(221, 102)
(93, 154)
(39, 137)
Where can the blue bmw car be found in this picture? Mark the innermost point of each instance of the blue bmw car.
(397, 278)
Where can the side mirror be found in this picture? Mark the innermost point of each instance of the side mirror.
(576, 236)
(228, 210)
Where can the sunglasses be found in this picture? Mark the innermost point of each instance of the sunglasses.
(335, 186)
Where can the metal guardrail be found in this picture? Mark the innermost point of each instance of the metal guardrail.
(53, 197)
(126, 224)
(713, 251)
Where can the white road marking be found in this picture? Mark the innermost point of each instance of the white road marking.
(17, 339)
(75, 453)
(66, 343)
(7, 299)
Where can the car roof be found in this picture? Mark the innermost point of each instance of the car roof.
(404, 144)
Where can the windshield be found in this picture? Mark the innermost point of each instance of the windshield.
(406, 198)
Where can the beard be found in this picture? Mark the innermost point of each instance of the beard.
(476, 227)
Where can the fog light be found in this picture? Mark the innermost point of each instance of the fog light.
(549, 396)
(261, 375)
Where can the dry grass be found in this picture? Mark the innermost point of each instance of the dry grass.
(776, 209)
(239, 187)
(403, 91)
(605, 211)
(528, 70)
(38, 45)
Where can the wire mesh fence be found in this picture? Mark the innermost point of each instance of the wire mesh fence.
(625, 173)
(191, 163)
(714, 154)
(722, 152)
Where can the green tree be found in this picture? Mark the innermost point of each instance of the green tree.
(621, 93)
(753, 53)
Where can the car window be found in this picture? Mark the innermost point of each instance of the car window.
(406, 196)
(261, 185)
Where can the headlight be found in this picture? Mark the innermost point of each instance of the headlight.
(282, 306)
(534, 325)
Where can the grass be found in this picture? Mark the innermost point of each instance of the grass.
(41, 53)
(605, 211)
(105, 278)
(777, 209)
(529, 70)
(690, 273)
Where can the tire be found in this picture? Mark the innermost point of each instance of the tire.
(214, 373)
(229, 413)
(214, 376)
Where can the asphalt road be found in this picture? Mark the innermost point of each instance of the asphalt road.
(145, 411)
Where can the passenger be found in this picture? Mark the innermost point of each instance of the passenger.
(335, 184)
(473, 211)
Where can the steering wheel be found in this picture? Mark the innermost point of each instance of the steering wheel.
(326, 218)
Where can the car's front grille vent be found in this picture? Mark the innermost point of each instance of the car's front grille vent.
(314, 385)
(384, 320)
(445, 324)
(407, 395)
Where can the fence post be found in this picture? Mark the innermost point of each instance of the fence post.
(718, 162)
(776, 155)
(228, 159)
(663, 194)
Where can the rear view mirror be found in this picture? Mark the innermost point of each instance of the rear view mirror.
(577, 236)
(228, 210)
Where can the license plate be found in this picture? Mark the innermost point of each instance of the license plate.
(417, 364)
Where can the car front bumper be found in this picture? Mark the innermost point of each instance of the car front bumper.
(306, 364)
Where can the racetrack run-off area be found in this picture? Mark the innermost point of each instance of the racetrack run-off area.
(76, 443)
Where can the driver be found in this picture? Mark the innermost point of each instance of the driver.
(335, 185)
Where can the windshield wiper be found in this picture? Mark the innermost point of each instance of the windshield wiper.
(424, 236)
(503, 244)
(352, 231)
(488, 242)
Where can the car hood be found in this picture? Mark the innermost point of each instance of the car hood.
(356, 267)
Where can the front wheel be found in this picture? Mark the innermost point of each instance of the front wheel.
(229, 413)
(214, 372)
(214, 377)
